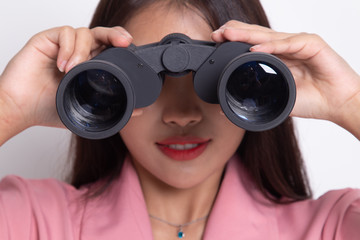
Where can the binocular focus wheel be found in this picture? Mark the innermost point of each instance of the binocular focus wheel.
(256, 91)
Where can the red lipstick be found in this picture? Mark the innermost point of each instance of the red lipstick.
(183, 148)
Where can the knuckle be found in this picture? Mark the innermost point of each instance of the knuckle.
(290, 40)
(316, 37)
(317, 42)
(84, 36)
(35, 37)
(98, 28)
(84, 30)
(119, 28)
(67, 29)
(232, 23)
(312, 38)
(98, 31)
(94, 28)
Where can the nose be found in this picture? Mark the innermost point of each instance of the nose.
(181, 105)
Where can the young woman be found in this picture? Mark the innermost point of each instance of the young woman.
(239, 185)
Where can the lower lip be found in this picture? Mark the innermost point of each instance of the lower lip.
(183, 155)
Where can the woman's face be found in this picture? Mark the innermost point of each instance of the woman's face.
(179, 140)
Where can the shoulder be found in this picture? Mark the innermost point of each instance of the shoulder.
(334, 215)
(35, 203)
(334, 202)
(343, 213)
(38, 194)
(37, 189)
(11, 181)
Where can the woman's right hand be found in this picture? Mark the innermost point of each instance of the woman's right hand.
(29, 82)
(327, 87)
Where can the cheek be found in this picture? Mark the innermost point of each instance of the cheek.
(227, 136)
(142, 128)
(136, 130)
(230, 135)
(223, 125)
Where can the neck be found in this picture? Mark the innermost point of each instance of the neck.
(178, 206)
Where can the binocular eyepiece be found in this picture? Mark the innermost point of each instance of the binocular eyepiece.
(95, 99)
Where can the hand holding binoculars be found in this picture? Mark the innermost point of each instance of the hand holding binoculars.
(256, 91)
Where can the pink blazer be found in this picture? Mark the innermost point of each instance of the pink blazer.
(49, 209)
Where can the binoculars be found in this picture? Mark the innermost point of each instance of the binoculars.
(256, 91)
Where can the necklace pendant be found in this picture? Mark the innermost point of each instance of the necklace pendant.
(181, 234)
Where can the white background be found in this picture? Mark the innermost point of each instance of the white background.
(332, 155)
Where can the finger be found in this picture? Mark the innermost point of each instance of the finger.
(301, 46)
(116, 36)
(217, 35)
(251, 36)
(137, 112)
(91, 42)
(66, 40)
(82, 47)
(97, 51)
(56, 43)
(242, 25)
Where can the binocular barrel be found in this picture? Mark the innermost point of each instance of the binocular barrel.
(95, 99)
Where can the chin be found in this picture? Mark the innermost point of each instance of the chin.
(183, 185)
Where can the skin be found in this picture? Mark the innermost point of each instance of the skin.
(186, 190)
(327, 87)
(177, 191)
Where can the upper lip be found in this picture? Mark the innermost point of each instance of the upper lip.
(183, 140)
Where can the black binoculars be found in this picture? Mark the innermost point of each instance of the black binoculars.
(256, 91)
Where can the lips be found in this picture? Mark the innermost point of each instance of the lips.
(183, 148)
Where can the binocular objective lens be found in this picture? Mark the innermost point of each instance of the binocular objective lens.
(257, 92)
(95, 100)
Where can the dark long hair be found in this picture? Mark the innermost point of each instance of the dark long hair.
(271, 157)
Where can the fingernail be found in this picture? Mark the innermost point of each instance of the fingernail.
(62, 66)
(128, 36)
(137, 112)
(220, 30)
(70, 66)
(255, 47)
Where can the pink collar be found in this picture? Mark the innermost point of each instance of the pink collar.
(240, 210)
(122, 210)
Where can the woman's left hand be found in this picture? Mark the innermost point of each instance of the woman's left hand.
(327, 87)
